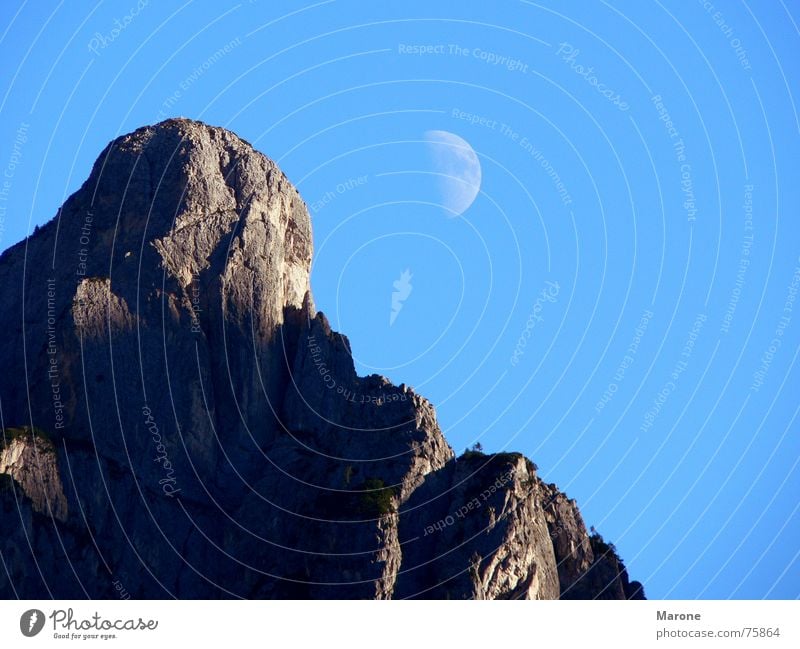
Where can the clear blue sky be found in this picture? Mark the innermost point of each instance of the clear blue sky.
(639, 165)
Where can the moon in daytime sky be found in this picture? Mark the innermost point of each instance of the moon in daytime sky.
(458, 169)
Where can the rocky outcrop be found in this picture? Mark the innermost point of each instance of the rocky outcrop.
(588, 567)
(477, 529)
(30, 460)
(206, 432)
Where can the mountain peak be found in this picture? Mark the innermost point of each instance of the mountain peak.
(206, 433)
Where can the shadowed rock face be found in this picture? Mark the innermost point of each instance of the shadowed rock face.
(187, 425)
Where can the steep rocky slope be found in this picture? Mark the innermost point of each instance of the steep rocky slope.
(180, 421)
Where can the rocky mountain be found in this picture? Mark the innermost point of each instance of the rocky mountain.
(179, 421)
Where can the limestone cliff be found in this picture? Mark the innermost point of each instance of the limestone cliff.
(178, 418)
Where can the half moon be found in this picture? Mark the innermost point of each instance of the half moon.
(458, 169)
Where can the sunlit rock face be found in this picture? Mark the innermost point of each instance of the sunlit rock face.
(30, 461)
(180, 421)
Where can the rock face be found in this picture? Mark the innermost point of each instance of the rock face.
(179, 421)
(30, 460)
